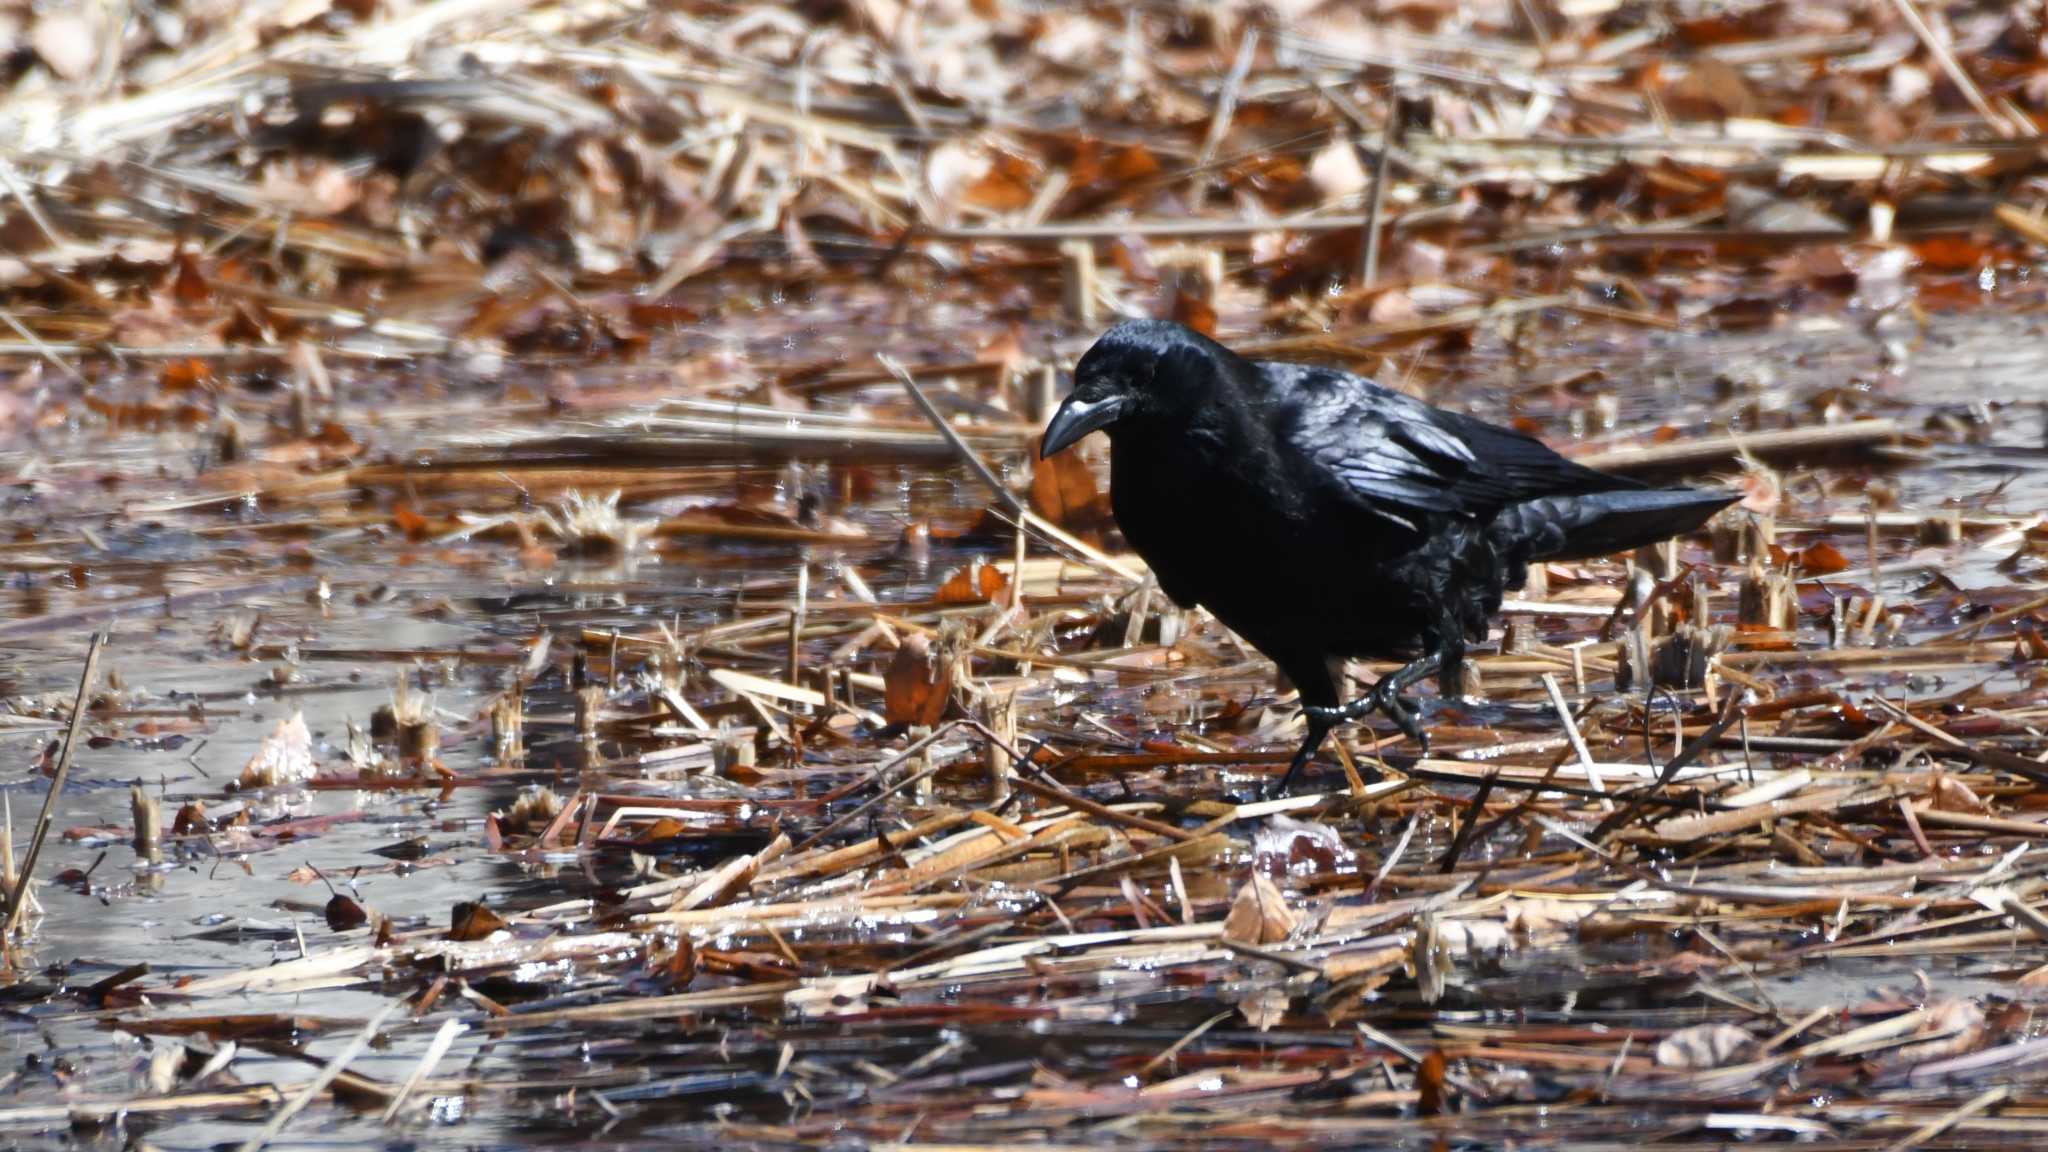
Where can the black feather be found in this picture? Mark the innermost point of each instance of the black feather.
(1323, 516)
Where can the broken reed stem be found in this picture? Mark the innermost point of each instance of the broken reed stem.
(1369, 273)
(1953, 69)
(149, 822)
(945, 428)
(7, 872)
(1476, 815)
(436, 1048)
(1003, 495)
(1077, 287)
(794, 672)
(18, 899)
(1731, 712)
(319, 1084)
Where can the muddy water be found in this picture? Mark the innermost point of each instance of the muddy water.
(191, 712)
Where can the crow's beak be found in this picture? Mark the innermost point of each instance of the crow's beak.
(1077, 418)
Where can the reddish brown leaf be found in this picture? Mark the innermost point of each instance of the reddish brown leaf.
(1822, 559)
(1195, 312)
(410, 522)
(1063, 488)
(185, 376)
(344, 913)
(1429, 1084)
(473, 921)
(189, 286)
(977, 583)
(916, 685)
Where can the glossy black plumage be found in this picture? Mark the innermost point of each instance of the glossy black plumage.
(1322, 516)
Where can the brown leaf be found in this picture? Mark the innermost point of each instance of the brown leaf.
(666, 828)
(680, 968)
(473, 921)
(1194, 312)
(977, 583)
(916, 685)
(344, 913)
(189, 286)
(1952, 795)
(185, 376)
(1260, 914)
(1263, 1008)
(1063, 488)
(1822, 559)
(1429, 1084)
(408, 520)
(1952, 1028)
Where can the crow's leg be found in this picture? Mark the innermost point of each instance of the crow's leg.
(1320, 721)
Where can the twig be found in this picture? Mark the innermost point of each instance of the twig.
(945, 427)
(1472, 822)
(319, 1083)
(1622, 819)
(988, 478)
(1783, 444)
(436, 1049)
(19, 899)
(1226, 100)
(1952, 68)
(1571, 732)
(1175, 1048)
(1948, 1120)
(42, 349)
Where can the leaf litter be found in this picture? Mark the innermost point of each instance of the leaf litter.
(558, 477)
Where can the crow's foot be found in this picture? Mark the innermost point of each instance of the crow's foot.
(1386, 698)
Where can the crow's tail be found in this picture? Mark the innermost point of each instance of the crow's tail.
(1599, 523)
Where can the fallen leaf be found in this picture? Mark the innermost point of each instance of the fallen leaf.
(917, 684)
(1952, 1028)
(344, 913)
(1429, 1084)
(1301, 847)
(1952, 795)
(1063, 488)
(977, 583)
(1821, 559)
(285, 757)
(1259, 914)
(1263, 1008)
(473, 921)
(1704, 1046)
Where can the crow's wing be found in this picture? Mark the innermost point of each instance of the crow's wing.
(1399, 456)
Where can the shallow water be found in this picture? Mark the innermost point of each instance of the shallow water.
(165, 581)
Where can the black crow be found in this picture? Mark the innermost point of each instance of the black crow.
(1323, 516)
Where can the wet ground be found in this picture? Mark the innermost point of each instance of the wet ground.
(149, 534)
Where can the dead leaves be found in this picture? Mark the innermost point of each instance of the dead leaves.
(1063, 489)
(1259, 914)
(977, 583)
(918, 683)
(472, 920)
(1704, 1046)
(284, 759)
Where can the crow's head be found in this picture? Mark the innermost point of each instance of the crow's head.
(1139, 369)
